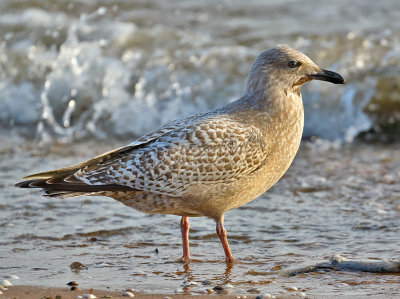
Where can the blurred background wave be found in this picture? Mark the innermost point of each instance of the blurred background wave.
(76, 69)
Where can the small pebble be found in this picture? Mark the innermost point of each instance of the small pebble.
(220, 290)
(5, 283)
(166, 297)
(381, 212)
(302, 294)
(75, 288)
(1, 293)
(206, 282)
(203, 292)
(228, 286)
(179, 291)
(264, 296)
(12, 276)
(89, 296)
(3, 288)
(293, 289)
(128, 294)
(72, 283)
(388, 179)
(253, 291)
(210, 291)
(130, 290)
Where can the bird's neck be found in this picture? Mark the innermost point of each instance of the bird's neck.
(283, 108)
(275, 105)
(274, 99)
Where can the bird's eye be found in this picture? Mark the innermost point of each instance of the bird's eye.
(293, 64)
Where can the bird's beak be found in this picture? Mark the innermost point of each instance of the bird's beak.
(329, 76)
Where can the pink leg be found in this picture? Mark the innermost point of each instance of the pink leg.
(222, 237)
(185, 238)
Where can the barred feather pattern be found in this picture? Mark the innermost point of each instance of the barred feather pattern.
(205, 150)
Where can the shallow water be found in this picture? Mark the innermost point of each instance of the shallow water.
(333, 199)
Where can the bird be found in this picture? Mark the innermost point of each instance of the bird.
(209, 163)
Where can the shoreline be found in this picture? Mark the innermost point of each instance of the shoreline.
(42, 292)
(38, 292)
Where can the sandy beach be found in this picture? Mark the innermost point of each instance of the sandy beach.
(36, 292)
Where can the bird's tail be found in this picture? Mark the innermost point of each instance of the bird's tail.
(56, 184)
(63, 183)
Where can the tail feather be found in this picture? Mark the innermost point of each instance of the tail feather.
(24, 184)
(64, 194)
(62, 185)
(62, 182)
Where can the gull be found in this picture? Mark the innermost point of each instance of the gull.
(209, 163)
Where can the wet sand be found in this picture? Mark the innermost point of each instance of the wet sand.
(36, 292)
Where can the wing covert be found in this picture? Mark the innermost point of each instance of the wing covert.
(210, 151)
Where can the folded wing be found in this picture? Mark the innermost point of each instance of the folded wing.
(208, 152)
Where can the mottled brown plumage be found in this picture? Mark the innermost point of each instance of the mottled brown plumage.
(209, 163)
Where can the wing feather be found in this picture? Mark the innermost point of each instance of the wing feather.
(202, 149)
(210, 151)
(110, 155)
(64, 179)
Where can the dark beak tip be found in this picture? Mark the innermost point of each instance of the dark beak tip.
(329, 76)
(343, 81)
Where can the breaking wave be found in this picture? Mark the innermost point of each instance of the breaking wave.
(66, 75)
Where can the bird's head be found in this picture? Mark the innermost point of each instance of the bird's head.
(286, 68)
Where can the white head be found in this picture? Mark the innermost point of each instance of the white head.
(286, 68)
